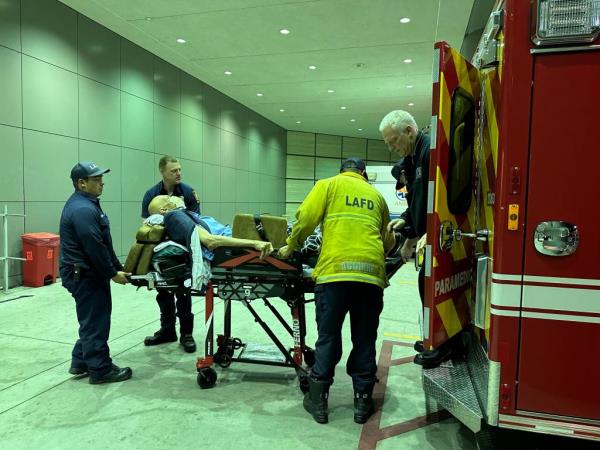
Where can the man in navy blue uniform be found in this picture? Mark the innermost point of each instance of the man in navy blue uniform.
(402, 136)
(87, 264)
(171, 184)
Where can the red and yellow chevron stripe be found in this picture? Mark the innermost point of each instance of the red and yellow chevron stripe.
(449, 290)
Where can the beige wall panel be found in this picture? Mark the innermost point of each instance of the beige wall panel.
(377, 150)
(354, 147)
(299, 143)
(327, 145)
(300, 167)
(327, 167)
(296, 190)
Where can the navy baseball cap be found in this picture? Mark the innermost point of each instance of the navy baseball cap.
(354, 163)
(403, 166)
(86, 169)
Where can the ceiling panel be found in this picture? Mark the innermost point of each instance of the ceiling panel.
(255, 31)
(453, 31)
(331, 65)
(141, 9)
(242, 36)
(286, 93)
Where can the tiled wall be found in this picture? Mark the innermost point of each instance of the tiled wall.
(72, 90)
(311, 157)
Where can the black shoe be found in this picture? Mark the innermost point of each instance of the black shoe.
(432, 358)
(78, 371)
(315, 400)
(419, 346)
(363, 407)
(162, 336)
(115, 374)
(188, 343)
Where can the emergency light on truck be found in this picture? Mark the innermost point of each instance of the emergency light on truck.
(566, 21)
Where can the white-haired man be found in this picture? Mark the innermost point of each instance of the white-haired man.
(402, 136)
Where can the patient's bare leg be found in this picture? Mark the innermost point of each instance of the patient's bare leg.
(212, 241)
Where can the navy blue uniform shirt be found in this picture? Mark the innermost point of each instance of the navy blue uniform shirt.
(416, 214)
(85, 238)
(180, 190)
(180, 224)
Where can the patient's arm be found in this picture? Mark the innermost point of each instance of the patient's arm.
(389, 241)
(212, 241)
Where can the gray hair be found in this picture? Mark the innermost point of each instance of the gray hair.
(398, 120)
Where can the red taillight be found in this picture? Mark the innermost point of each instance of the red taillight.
(505, 394)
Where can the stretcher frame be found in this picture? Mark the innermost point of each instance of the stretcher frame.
(240, 275)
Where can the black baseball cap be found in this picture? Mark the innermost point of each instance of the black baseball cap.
(403, 166)
(86, 169)
(354, 163)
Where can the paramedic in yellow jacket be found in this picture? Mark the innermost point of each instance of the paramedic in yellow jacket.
(350, 277)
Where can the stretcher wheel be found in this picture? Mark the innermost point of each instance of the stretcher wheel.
(224, 354)
(223, 359)
(309, 357)
(207, 377)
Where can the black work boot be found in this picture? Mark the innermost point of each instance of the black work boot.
(418, 346)
(432, 358)
(188, 343)
(114, 375)
(78, 371)
(315, 400)
(161, 336)
(363, 406)
(186, 327)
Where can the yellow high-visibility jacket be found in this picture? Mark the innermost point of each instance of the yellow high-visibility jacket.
(353, 217)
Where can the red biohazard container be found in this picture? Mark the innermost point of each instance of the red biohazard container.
(40, 251)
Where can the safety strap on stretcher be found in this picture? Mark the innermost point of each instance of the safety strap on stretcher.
(260, 229)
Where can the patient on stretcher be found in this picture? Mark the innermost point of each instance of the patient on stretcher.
(181, 224)
(200, 235)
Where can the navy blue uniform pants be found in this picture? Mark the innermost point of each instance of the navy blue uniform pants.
(170, 308)
(93, 304)
(333, 301)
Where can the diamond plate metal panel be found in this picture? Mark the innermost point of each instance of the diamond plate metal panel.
(450, 385)
(478, 365)
(461, 387)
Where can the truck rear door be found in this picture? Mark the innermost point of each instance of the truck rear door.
(453, 218)
(559, 359)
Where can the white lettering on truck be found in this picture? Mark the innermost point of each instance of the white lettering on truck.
(453, 282)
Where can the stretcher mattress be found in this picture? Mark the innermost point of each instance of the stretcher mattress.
(139, 258)
(274, 228)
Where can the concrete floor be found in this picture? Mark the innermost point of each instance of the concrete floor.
(252, 406)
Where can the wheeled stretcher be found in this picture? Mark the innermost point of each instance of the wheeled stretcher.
(238, 274)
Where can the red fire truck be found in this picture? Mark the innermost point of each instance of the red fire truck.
(512, 260)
